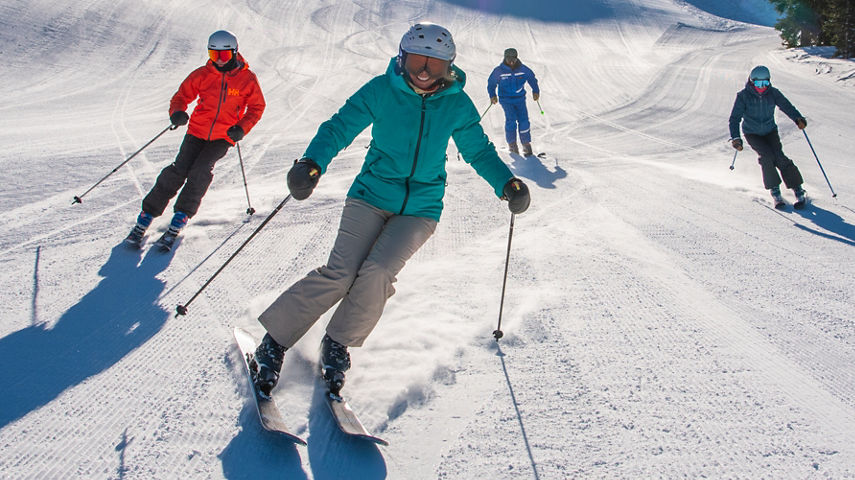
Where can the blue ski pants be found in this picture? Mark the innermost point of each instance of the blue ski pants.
(516, 118)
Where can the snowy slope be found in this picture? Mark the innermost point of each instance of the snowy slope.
(661, 319)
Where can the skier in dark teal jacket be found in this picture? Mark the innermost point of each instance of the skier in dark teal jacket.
(755, 108)
(394, 203)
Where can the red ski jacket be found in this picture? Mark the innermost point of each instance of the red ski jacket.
(224, 99)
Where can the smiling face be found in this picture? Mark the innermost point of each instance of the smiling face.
(425, 72)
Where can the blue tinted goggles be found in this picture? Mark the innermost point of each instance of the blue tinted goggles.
(761, 83)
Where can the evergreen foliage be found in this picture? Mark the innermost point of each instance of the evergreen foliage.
(818, 22)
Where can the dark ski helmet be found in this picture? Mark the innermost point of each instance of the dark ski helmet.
(759, 73)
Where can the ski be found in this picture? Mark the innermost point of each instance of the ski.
(167, 241)
(347, 420)
(268, 412)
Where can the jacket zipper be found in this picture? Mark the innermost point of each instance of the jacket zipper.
(415, 157)
(219, 104)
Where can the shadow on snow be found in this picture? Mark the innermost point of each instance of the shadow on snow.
(832, 222)
(113, 319)
(533, 169)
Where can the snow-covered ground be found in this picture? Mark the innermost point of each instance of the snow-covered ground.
(661, 319)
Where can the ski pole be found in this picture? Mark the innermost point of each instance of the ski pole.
(820, 165)
(734, 159)
(249, 209)
(538, 106)
(79, 199)
(182, 309)
(498, 332)
(487, 110)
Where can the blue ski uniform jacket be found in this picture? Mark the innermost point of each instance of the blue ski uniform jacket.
(511, 82)
(404, 168)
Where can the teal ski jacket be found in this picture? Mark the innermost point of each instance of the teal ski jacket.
(756, 111)
(404, 169)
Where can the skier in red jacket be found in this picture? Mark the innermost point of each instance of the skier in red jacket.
(229, 103)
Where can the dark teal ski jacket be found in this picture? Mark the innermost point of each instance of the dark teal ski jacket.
(756, 110)
(404, 168)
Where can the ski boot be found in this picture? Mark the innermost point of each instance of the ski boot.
(777, 199)
(266, 364)
(801, 197)
(527, 150)
(512, 147)
(136, 236)
(335, 360)
(167, 240)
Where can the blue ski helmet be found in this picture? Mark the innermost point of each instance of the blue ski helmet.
(759, 73)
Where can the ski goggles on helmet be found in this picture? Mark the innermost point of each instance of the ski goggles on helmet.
(761, 83)
(221, 55)
(436, 68)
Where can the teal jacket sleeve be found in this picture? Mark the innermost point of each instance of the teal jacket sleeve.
(339, 131)
(785, 105)
(479, 151)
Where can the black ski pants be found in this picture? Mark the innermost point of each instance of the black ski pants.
(194, 169)
(772, 159)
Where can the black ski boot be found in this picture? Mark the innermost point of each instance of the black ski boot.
(267, 362)
(167, 240)
(801, 197)
(777, 199)
(136, 236)
(335, 360)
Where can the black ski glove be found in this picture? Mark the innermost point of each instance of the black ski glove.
(303, 178)
(516, 193)
(737, 143)
(235, 132)
(179, 118)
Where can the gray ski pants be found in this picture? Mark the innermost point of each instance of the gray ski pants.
(372, 246)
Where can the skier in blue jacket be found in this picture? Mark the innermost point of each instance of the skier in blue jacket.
(394, 203)
(510, 77)
(755, 108)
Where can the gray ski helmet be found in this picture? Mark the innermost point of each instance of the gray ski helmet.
(222, 40)
(430, 40)
(759, 73)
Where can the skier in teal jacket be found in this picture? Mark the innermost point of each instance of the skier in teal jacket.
(394, 203)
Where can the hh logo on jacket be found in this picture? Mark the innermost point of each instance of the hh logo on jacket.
(234, 92)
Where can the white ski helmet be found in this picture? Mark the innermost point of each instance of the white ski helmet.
(430, 40)
(759, 73)
(222, 40)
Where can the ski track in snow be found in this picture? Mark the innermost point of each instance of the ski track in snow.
(661, 318)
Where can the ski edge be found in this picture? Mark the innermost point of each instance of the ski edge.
(270, 421)
(347, 420)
